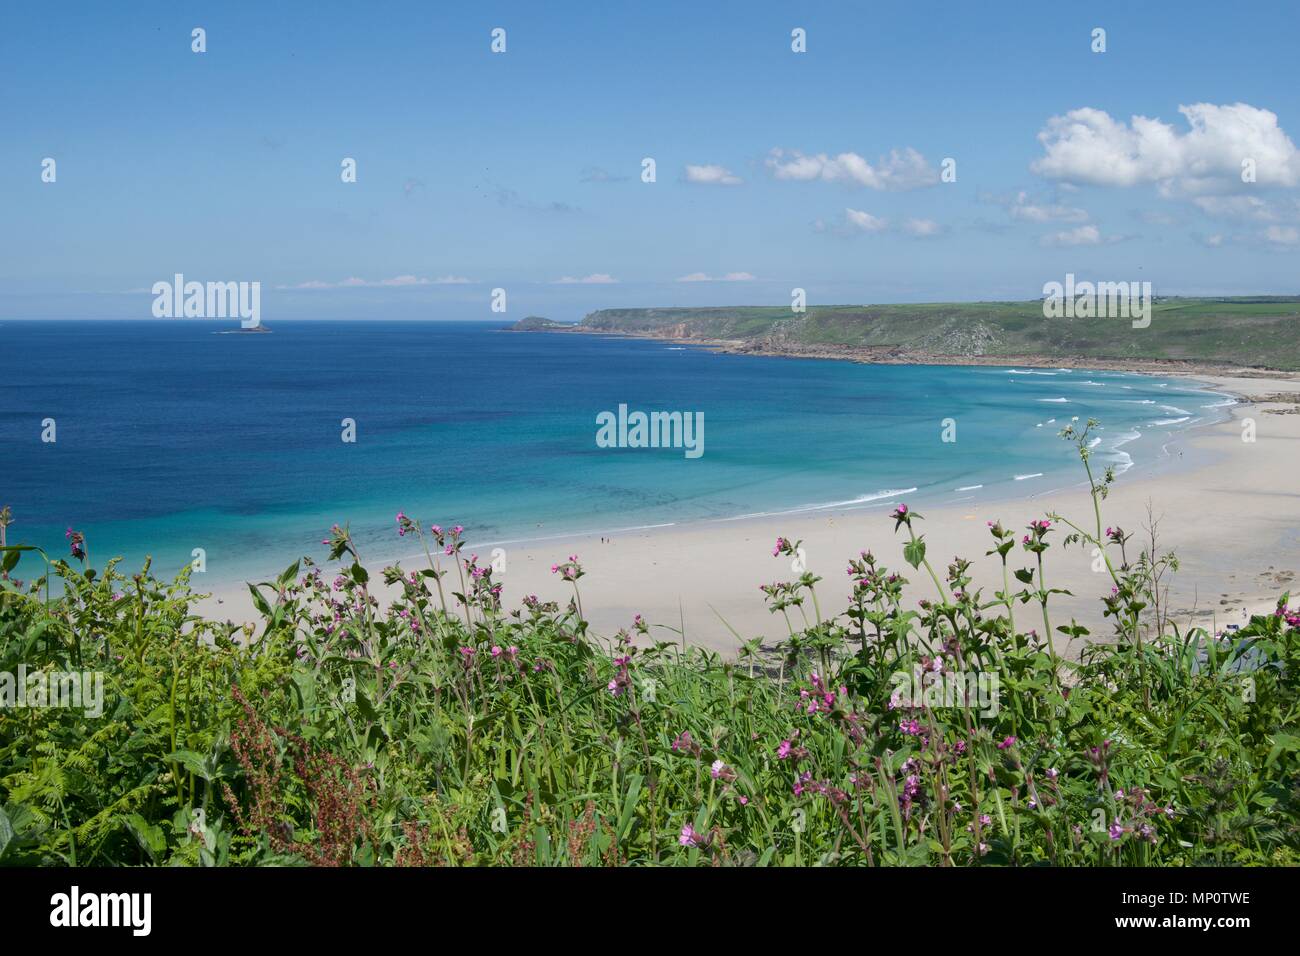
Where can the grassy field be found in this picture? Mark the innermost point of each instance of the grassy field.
(1255, 332)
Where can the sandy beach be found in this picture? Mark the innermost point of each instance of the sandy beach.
(1229, 508)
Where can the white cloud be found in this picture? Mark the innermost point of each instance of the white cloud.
(1271, 237)
(1248, 208)
(596, 278)
(729, 277)
(1024, 209)
(710, 175)
(858, 221)
(1089, 146)
(865, 221)
(353, 282)
(900, 170)
(1079, 236)
(921, 228)
(1155, 217)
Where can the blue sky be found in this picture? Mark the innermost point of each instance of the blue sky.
(521, 170)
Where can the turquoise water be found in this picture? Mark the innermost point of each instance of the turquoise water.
(171, 437)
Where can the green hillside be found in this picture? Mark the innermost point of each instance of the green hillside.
(1261, 331)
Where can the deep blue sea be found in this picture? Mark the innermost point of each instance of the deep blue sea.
(171, 437)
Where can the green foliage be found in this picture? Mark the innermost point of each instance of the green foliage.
(1257, 331)
(444, 730)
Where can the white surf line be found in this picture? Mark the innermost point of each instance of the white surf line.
(571, 534)
(1052, 491)
(880, 497)
(1037, 474)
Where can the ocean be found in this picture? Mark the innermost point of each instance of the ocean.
(170, 437)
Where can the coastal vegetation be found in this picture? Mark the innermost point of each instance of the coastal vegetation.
(444, 727)
(538, 323)
(1255, 331)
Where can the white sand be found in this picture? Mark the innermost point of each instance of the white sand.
(1228, 508)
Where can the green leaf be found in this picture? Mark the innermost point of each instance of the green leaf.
(259, 602)
(914, 552)
(629, 805)
(150, 837)
(1281, 742)
(367, 709)
(289, 574)
(191, 761)
(6, 832)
